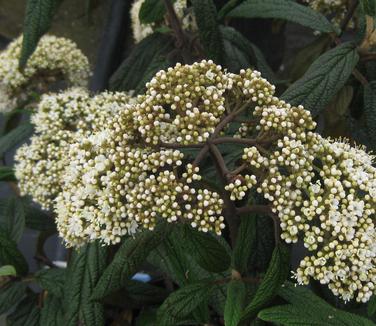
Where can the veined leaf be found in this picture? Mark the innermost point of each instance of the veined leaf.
(10, 255)
(310, 305)
(151, 11)
(12, 217)
(210, 35)
(206, 250)
(324, 78)
(7, 174)
(236, 293)
(10, 295)
(84, 270)
(128, 259)
(283, 9)
(231, 4)
(52, 313)
(52, 280)
(183, 302)
(245, 243)
(371, 306)
(36, 218)
(276, 274)
(370, 110)
(38, 17)
(8, 270)
(369, 7)
(144, 57)
(15, 136)
(26, 312)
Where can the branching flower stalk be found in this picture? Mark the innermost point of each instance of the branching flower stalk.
(130, 171)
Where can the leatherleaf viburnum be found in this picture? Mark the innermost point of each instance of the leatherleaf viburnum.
(132, 171)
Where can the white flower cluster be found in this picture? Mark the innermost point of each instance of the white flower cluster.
(54, 57)
(336, 9)
(140, 30)
(59, 120)
(122, 172)
(323, 192)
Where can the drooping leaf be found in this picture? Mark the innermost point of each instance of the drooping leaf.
(7, 174)
(12, 217)
(151, 11)
(52, 313)
(183, 302)
(26, 312)
(144, 293)
(7, 270)
(324, 78)
(370, 111)
(10, 295)
(127, 261)
(14, 137)
(38, 17)
(371, 306)
(206, 250)
(283, 9)
(210, 35)
(310, 305)
(245, 243)
(276, 274)
(10, 255)
(84, 270)
(236, 293)
(143, 58)
(52, 280)
(231, 4)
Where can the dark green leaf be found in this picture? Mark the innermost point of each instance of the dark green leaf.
(38, 17)
(245, 243)
(151, 11)
(128, 260)
(370, 110)
(37, 219)
(144, 293)
(8, 270)
(324, 78)
(7, 174)
(227, 7)
(210, 35)
(26, 312)
(52, 280)
(52, 313)
(10, 255)
(183, 302)
(84, 270)
(276, 274)
(309, 305)
(10, 294)
(14, 137)
(206, 250)
(371, 306)
(12, 217)
(143, 58)
(236, 293)
(283, 9)
(369, 7)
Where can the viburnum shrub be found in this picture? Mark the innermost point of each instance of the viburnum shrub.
(201, 187)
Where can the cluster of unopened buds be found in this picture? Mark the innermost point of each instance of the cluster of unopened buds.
(128, 171)
(55, 59)
(336, 9)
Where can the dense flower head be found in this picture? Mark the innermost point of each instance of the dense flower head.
(336, 9)
(114, 166)
(60, 119)
(141, 30)
(323, 192)
(54, 57)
